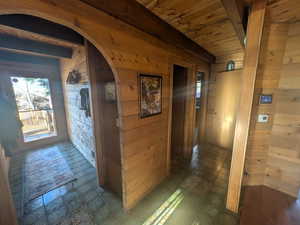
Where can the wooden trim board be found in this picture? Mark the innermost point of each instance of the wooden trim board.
(254, 37)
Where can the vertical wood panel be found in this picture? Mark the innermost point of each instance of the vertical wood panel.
(254, 35)
(7, 210)
(283, 162)
(267, 81)
(215, 99)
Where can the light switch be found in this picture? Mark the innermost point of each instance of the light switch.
(263, 118)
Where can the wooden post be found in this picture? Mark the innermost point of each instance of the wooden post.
(234, 14)
(7, 209)
(254, 36)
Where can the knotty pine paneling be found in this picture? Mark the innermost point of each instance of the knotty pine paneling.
(223, 109)
(270, 64)
(205, 22)
(223, 88)
(128, 51)
(283, 164)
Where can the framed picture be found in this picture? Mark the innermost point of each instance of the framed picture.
(150, 96)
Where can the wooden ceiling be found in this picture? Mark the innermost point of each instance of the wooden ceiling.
(284, 10)
(207, 23)
(204, 21)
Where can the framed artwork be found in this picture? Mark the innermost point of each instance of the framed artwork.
(150, 96)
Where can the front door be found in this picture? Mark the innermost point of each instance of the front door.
(39, 104)
(34, 106)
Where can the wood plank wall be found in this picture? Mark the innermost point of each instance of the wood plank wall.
(144, 142)
(105, 116)
(215, 111)
(272, 157)
(273, 47)
(283, 164)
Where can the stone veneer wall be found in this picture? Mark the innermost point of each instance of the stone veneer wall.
(80, 127)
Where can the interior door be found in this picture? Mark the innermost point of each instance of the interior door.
(178, 111)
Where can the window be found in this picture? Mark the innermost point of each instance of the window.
(34, 104)
(200, 76)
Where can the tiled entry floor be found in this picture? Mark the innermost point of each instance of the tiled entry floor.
(203, 184)
(81, 202)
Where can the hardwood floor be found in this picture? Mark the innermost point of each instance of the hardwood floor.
(264, 206)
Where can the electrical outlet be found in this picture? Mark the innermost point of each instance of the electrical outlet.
(263, 118)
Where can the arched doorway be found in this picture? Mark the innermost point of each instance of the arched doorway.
(105, 111)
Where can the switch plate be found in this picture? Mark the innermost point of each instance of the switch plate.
(263, 118)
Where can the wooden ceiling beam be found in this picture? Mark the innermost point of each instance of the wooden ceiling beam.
(25, 58)
(11, 42)
(234, 10)
(135, 14)
(43, 27)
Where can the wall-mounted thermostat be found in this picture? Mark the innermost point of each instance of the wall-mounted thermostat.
(265, 99)
(263, 118)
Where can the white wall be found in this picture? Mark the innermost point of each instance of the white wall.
(80, 127)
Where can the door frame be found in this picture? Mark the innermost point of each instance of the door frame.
(203, 102)
(190, 110)
(51, 73)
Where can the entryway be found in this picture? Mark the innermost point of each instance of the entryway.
(65, 161)
(33, 99)
(179, 104)
(73, 196)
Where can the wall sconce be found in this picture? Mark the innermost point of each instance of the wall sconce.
(230, 66)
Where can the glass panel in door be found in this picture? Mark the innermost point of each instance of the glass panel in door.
(35, 109)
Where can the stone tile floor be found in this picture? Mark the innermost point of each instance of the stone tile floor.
(203, 182)
(75, 203)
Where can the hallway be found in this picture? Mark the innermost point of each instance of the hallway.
(80, 201)
(203, 187)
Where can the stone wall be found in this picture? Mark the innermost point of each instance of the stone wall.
(80, 127)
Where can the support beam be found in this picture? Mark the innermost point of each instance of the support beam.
(32, 59)
(252, 53)
(8, 212)
(43, 27)
(129, 10)
(35, 47)
(234, 12)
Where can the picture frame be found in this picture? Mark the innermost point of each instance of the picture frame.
(150, 95)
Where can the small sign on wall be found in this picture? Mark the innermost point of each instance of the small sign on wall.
(265, 99)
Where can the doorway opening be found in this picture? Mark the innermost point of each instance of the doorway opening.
(198, 105)
(179, 101)
(35, 109)
(67, 159)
